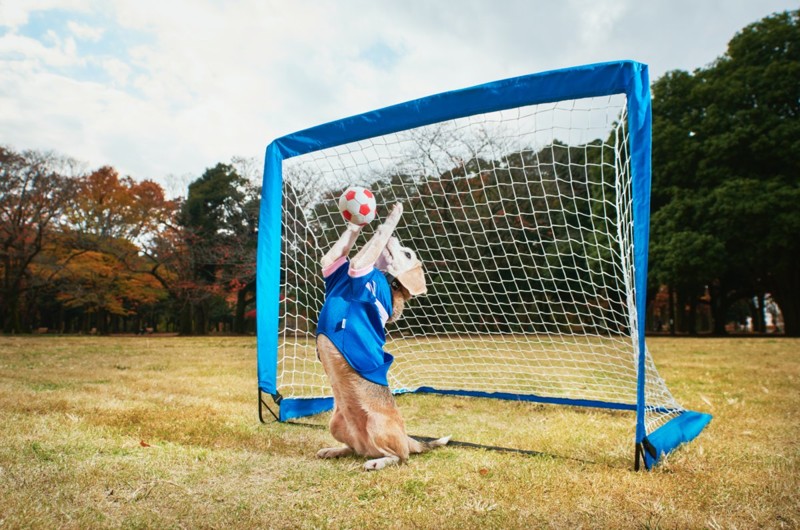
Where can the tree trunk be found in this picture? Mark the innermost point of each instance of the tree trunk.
(680, 311)
(757, 313)
(787, 296)
(11, 321)
(102, 321)
(791, 317)
(241, 304)
(200, 314)
(671, 307)
(719, 309)
(185, 325)
(692, 320)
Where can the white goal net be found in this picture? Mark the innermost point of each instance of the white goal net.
(523, 221)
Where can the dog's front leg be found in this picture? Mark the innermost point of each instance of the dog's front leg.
(342, 247)
(372, 250)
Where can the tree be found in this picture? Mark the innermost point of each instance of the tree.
(106, 208)
(34, 189)
(685, 253)
(101, 284)
(107, 222)
(219, 218)
(725, 139)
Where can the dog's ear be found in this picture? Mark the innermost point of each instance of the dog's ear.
(414, 280)
(405, 266)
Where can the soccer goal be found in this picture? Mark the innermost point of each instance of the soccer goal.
(528, 201)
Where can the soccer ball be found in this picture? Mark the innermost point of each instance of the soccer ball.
(357, 205)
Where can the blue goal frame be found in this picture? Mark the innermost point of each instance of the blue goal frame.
(602, 79)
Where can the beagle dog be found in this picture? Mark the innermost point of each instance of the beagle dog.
(361, 296)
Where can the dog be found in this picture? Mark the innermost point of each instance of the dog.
(361, 296)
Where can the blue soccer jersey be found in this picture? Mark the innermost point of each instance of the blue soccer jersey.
(357, 306)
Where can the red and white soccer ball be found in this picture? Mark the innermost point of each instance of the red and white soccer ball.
(357, 205)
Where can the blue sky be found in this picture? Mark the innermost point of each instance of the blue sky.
(165, 89)
(97, 39)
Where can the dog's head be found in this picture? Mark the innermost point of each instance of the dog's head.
(402, 263)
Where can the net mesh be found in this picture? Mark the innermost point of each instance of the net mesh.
(523, 220)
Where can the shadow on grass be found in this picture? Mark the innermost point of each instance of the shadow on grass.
(471, 445)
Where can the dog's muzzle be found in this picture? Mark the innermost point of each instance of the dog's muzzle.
(406, 268)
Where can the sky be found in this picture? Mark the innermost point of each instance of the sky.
(164, 89)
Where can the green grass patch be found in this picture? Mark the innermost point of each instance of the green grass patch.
(152, 432)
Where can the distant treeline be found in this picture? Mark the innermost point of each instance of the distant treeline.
(83, 251)
(99, 253)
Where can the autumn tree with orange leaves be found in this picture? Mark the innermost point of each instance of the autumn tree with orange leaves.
(34, 190)
(109, 220)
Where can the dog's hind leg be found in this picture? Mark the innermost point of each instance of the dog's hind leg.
(414, 446)
(335, 452)
(386, 434)
(417, 447)
(380, 463)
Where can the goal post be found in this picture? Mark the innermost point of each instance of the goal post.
(528, 201)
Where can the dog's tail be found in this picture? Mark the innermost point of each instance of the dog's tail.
(423, 446)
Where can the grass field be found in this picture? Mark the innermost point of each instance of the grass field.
(157, 432)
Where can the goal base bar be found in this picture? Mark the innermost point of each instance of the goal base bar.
(669, 437)
(291, 408)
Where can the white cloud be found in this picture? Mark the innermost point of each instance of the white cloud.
(191, 83)
(15, 13)
(85, 31)
(25, 50)
(118, 71)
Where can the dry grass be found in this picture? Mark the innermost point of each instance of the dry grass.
(162, 432)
